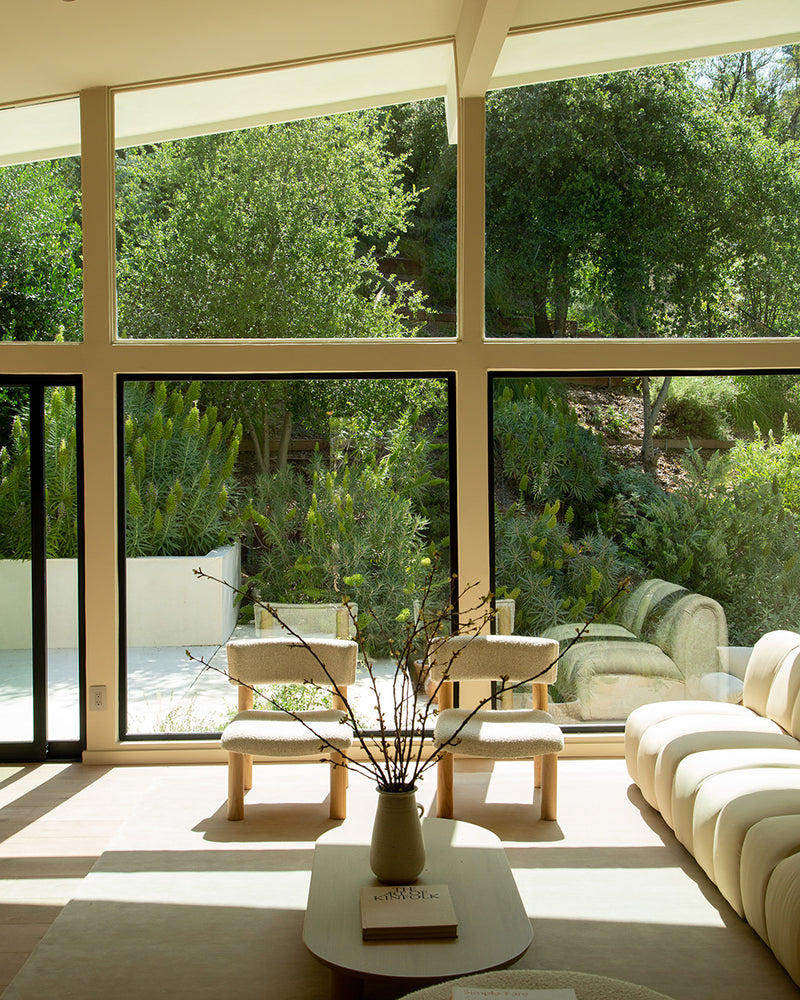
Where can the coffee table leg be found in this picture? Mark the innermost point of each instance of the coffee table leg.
(344, 987)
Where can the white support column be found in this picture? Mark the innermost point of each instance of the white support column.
(100, 496)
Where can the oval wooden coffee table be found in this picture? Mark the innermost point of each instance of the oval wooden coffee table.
(493, 927)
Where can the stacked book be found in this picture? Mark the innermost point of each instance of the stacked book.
(407, 911)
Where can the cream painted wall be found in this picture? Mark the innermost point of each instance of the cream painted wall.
(99, 359)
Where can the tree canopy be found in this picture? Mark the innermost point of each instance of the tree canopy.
(651, 208)
(40, 252)
(266, 232)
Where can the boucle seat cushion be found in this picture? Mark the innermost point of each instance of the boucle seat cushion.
(276, 734)
(642, 718)
(766, 844)
(695, 756)
(782, 914)
(504, 735)
(775, 791)
(658, 736)
(749, 750)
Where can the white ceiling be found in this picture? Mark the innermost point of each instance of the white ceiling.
(53, 47)
(328, 55)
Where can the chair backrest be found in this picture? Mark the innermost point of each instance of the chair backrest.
(312, 621)
(490, 657)
(288, 661)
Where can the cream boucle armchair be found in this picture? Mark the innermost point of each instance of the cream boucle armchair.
(277, 734)
(505, 734)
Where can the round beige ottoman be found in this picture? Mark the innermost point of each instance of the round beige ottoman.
(766, 843)
(586, 986)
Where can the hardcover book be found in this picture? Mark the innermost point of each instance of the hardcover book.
(407, 911)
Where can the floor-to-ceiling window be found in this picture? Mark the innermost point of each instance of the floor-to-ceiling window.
(341, 526)
(625, 304)
(657, 205)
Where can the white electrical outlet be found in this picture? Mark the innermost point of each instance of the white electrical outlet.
(97, 698)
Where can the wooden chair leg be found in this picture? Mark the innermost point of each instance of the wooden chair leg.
(235, 785)
(444, 787)
(248, 771)
(339, 776)
(549, 786)
(537, 772)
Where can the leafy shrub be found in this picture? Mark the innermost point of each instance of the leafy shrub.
(770, 461)
(546, 451)
(626, 496)
(688, 416)
(343, 531)
(178, 470)
(61, 511)
(553, 580)
(731, 404)
(730, 538)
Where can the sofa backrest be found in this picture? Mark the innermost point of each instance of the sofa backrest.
(688, 627)
(637, 604)
(783, 703)
(762, 668)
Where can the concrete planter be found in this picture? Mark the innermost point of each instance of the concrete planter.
(15, 603)
(167, 604)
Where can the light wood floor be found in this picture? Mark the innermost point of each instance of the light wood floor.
(55, 822)
(607, 887)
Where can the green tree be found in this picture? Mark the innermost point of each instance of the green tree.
(40, 252)
(270, 232)
(664, 212)
(267, 232)
(418, 138)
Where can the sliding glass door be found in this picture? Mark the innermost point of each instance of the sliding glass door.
(40, 611)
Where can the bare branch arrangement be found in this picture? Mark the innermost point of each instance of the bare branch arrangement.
(401, 750)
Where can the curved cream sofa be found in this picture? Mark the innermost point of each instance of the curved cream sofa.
(662, 645)
(726, 778)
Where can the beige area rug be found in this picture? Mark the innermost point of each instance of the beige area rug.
(185, 904)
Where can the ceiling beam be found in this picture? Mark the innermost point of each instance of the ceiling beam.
(482, 28)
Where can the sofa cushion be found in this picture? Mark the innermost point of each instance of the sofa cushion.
(713, 754)
(595, 630)
(782, 914)
(783, 704)
(737, 818)
(775, 790)
(636, 605)
(661, 734)
(766, 844)
(642, 718)
(762, 667)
